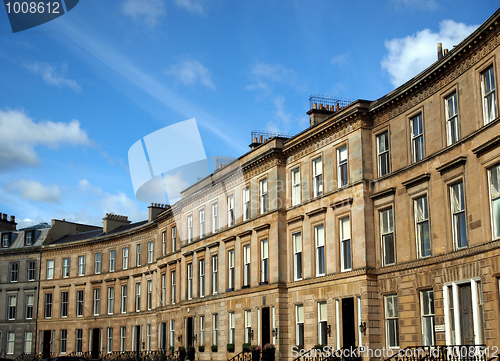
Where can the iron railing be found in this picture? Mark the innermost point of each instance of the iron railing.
(330, 101)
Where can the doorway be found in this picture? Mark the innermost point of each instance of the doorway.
(163, 343)
(96, 337)
(266, 326)
(348, 324)
(137, 340)
(189, 331)
(46, 344)
(466, 318)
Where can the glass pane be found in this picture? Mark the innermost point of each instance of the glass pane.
(383, 142)
(421, 209)
(343, 154)
(389, 249)
(297, 242)
(345, 228)
(320, 238)
(424, 239)
(495, 182)
(417, 128)
(457, 198)
(300, 314)
(322, 311)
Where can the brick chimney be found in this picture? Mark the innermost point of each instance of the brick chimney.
(5, 224)
(155, 209)
(113, 221)
(320, 112)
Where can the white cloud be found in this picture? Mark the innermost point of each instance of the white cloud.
(35, 191)
(190, 5)
(20, 136)
(190, 72)
(53, 76)
(263, 76)
(410, 55)
(341, 60)
(148, 11)
(429, 5)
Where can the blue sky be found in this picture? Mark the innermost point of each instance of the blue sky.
(76, 93)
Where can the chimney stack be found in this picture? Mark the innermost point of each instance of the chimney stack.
(155, 209)
(440, 50)
(5, 224)
(113, 221)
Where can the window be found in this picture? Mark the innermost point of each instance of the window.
(427, 309)
(202, 222)
(319, 238)
(125, 258)
(248, 326)
(317, 177)
(50, 269)
(230, 272)
(151, 249)
(299, 325)
(28, 238)
(64, 304)
(64, 341)
(342, 166)
(489, 95)
(123, 308)
(28, 341)
(149, 299)
(246, 203)
(296, 187)
(79, 339)
(215, 276)
(173, 287)
(11, 338)
(190, 228)
(387, 235)
(230, 211)
(383, 160)
(246, 266)
(163, 288)
(422, 227)
(164, 243)
(31, 270)
(123, 338)
(137, 297)
(297, 256)
(215, 223)
(189, 281)
(138, 250)
(391, 321)
(48, 305)
(263, 196)
(112, 260)
(6, 239)
(109, 343)
(97, 263)
(264, 261)
(451, 109)
(494, 180)
(201, 280)
(148, 338)
(79, 303)
(14, 271)
(174, 238)
(215, 329)
(322, 324)
(345, 243)
(232, 327)
(97, 301)
(417, 138)
(458, 215)
(12, 300)
(81, 265)
(202, 330)
(65, 268)
(172, 333)
(111, 298)
(30, 301)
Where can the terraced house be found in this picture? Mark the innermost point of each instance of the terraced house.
(378, 225)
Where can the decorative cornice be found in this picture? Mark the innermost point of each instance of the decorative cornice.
(187, 254)
(110, 280)
(135, 275)
(212, 245)
(384, 193)
(123, 278)
(487, 146)
(417, 180)
(298, 218)
(262, 227)
(455, 163)
(341, 203)
(201, 249)
(229, 239)
(245, 233)
(93, 282)
(316, 212)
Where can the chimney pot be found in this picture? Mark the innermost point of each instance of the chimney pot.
(315, 105)
(260, 138)
(4, 216)
(12, 219)
(440, 50)
(445, 51)
(320, 106)
(255, 139)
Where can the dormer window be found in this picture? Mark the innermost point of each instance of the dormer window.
(28, 238)
(6, 237)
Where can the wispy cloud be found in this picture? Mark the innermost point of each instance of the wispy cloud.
(20, 136)
(147, 11)
(190, 5)
(410, 55)
(189, 72)
(35, 191)
(264, 76)
(52, 75)
(284, 121)
(341, 60)
(429, 5)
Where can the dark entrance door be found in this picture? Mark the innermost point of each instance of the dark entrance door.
(348, 325)
(266, 326)
(137, 339)
(96, 337)
(189, 332)
(46, 344)
(163, 344)
(466, 320)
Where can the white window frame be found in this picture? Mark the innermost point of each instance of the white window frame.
(319, 242)
(458, 217)
(494, 196)
(138, 297)
(488, 90)
(11, 340)
(451, 113)
(215, 274)
(215, 217)
(230, 269)
(391, 320)
(12, 307)
(81, 265)
(123, 300)
(248, 326)
(246, 203)
(264, 261)
(63, 343)
(246, 265)
(387, 236)
(295, 175)
(163, 289)
(317, 167)
(342, 166)
(48, 305)
(125, 258)
(263, 196)
(109, 340)
(138, 251)
(97, 301)
(111, 300)
(232, 327)
(50, 269)
(201, 280)
(417, 138)
(30, 304)
(202, 330)
(164, 243)
(345, 244)
(151, 251)
(64, 304)
(383, 154)
(112, 260)
(189, 228)
(172, 333)
(230, 211)
(297, 256)
(172, 287)
(123, 338)
(31, 271)
(174, 239)
(428, 317)
(299, 325)
(421, 219)
(215, 329)
(189, 287)
(149, 297)
(201, 214)
(97, 263)
(322, 323)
